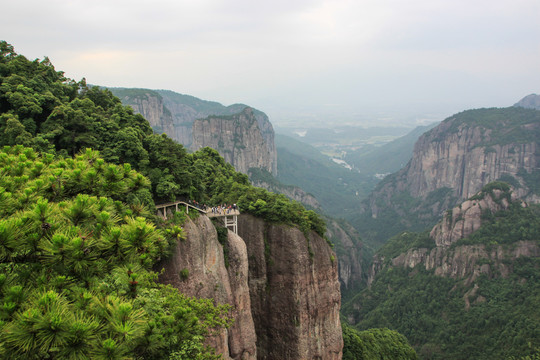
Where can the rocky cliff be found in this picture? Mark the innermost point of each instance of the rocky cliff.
(283, 288)
(239, 139)
(175, 114)
(197, 268)
(456, 159)
(294, 290)
(345, 238)
(467, 261)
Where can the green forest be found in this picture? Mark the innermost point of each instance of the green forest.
(80, 175)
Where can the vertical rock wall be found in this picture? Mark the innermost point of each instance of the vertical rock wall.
(295, 296)
(202, 255)
(284, 289)
(238, 138)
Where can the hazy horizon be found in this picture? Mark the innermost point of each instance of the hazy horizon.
(353, 62)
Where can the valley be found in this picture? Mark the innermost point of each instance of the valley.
(353, 243)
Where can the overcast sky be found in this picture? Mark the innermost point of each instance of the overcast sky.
(384, 60)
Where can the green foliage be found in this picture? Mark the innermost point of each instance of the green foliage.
(40, 108)
(515, 224)
(430, 311)
(338, 189)
(501, 126)
(403, 242)
(76, 262)
(374, 344)
(403, 213)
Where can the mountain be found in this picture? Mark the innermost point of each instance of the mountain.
(467, 288)
(529, 102)
(452, 162)
(387, 158)
(176, 114)
(239, 139)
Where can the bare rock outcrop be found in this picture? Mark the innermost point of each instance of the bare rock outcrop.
(454, 160)
(208, 277)
(466, 218)
(176, 115)
(467, 261)
(283, 288)
(294, 290)
(238, 138)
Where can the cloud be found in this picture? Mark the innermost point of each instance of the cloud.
(295, 53)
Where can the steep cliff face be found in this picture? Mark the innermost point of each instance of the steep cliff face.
(346, 239)
(285, 301)
(456, 159)
(462, 160)
(238, 138)
(175, 114)
(294, 291)
(201, 255)
(466, 218)
(350, 252)
(150, 105)
(466, 261)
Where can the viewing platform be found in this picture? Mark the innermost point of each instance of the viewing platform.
(229, 215)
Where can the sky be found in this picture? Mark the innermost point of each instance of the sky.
(367, 62)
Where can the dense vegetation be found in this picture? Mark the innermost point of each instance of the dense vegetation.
(76, 260)
(339, 190)
(78, 235)
(42, 109)
(490, 317)
(375, 344)
(430, 311)
(407, 213)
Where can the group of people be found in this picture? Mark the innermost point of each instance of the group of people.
(215, 210)
(224, 209)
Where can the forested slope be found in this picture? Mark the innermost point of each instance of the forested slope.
(78, 235)
(458, 293)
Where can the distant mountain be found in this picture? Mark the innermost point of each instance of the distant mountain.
(387, 158)
(175, 115)
(450, 163)
(530, 102)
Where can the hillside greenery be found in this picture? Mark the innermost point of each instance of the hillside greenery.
(339, 190)
(406, 212)
(431, 311)
(42, 109)
(77, 256)
(375, 344)
(387, 158)
(80, 175)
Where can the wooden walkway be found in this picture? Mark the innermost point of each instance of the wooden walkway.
(229, 215)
